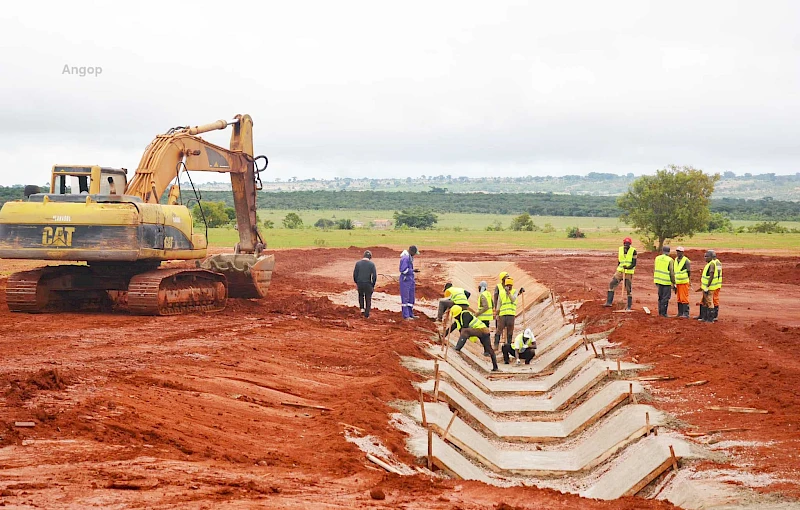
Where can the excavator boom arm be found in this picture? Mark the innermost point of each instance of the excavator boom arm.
(181, 149)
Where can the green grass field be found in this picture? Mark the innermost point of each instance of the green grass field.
(466, 232)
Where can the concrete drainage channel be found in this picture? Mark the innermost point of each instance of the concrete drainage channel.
(570, 420)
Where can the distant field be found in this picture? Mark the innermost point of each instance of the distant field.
(472, 235)
(446, 220)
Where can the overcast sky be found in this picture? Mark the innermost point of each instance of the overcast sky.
(384, 89)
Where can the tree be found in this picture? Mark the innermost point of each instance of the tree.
(344, 224)
(214, 213)
(718, 222)
(523, 222)
(269, 224)
(292, 221)
(575, 233)
(673, 203)
(415, 218)
(324, 223)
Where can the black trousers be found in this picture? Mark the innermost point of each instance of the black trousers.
(664, 293)
(486, 342)
(365, 297)
(526, 355)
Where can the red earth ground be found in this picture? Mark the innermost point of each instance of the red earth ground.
(190, 411)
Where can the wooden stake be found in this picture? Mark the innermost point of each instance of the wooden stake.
(647, 423)
(738, 409)
(594, 349)
(430, 449)
(656, 378)
(422, 407)
(450, 424)
(563, 314)
(619, 370)
(309, 406)
(436, 381)
(655, 430)
(603, 350)
(696, 383)
(382, 464)
(630, 391)
(674, 459)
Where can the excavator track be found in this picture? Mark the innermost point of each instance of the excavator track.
(23, 293)
(176, 291)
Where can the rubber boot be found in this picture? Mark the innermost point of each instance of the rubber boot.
(706, 313)
(460, 344)
(702, 313)
(683, 311)
(609, 299)
(630, 302)
(714, 312)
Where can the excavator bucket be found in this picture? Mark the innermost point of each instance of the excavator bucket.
(248, 275)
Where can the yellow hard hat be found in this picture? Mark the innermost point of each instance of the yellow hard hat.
(502, 275)
(455, 311)
(447, 293)
(509, 281)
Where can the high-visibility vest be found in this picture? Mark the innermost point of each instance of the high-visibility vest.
(520, 342)
(681, 273)
(507, 307)
(625, 259)
(661, 271)
(716, 282)
(458, 296)
(487, 315)
(475, 323)
(705, 279)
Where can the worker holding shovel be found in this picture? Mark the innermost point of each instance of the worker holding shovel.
(625, 270)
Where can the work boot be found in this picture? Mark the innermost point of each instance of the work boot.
(609, 299)
(683, 310)
(630, 302)
(707, 314)
(460, 343)
(702, 313)
(714, 312)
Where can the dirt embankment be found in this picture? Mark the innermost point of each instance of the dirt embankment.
(201, 410)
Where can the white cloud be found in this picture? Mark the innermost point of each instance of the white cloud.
(373, 88)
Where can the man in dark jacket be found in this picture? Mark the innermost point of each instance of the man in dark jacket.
(365, 276)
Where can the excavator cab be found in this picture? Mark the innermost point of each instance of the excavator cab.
(87, 180)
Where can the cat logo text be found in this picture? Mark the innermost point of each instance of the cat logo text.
(57, 236)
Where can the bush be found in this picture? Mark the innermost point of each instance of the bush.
(292, 221)
(523, 222)
(324, 224)
(615, 230)
(496, 226)
(344, 224)
(268, 224)
(575, 233)
(415, 218)
(767, 227)
(548, 228)
(719, 223)
(320, 242)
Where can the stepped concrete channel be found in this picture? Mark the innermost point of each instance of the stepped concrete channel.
(570, 420)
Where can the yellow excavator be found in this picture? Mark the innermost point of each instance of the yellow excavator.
(119, 232)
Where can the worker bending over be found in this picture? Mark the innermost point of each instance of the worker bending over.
(453, 296)
(523, 347)
(471, 328)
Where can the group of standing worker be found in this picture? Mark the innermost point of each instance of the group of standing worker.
(671, 276)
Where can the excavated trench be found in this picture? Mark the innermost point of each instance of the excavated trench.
(572, 420)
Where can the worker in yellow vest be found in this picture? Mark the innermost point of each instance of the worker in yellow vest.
(710, 284)
(683, 273)
(664, 278)
(625, 270)
(485, 303)
(523, 348)
(473, 329)
(506, 311)
(501, 281)
(453, 296)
